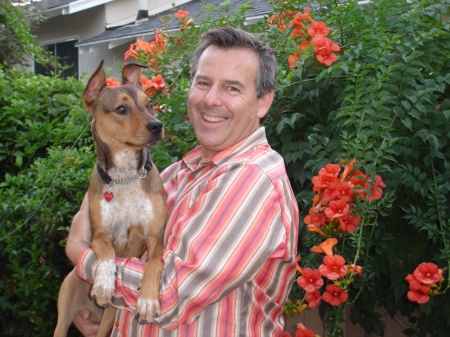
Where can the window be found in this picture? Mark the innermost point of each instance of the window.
(66, 54)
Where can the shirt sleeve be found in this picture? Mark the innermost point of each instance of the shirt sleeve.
(219, 242)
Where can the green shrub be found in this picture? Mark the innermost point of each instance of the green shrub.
(42, 183)
(384, 102)
(37, 112)
(16, 41)
(37, 206)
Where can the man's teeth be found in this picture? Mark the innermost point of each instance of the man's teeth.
(214, 119)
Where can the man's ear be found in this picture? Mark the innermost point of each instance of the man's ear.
(264, 103)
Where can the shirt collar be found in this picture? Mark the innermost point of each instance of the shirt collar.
(193, 159)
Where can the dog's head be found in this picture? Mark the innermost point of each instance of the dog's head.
(123, 116)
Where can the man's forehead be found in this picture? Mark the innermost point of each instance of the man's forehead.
(220, 61)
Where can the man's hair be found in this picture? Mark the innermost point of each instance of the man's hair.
(229, 38)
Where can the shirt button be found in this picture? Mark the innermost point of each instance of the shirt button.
(116, 324)
(190, 178)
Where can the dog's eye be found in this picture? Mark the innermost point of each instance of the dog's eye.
(121, 110)
(150, 105)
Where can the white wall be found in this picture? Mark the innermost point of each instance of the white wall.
(77, 26)
(85, 24)
(122, 12)
(113, 59)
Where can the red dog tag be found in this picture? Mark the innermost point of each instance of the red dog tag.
(108, 195)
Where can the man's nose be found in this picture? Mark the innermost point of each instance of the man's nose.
(213, 96)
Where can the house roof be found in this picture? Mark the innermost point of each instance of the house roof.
(196, 9)
(49, 4)
(52, 8)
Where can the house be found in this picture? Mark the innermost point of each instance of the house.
(83, 32)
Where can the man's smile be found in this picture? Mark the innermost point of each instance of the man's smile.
(214, 119)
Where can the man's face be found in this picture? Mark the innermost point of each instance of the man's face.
(222, 103)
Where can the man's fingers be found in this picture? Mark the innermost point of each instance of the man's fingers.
(84, 325)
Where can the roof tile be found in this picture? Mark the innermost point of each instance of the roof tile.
(195, 8)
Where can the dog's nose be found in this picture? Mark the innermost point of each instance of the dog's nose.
(155, 127)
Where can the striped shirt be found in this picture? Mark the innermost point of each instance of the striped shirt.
(230, 248)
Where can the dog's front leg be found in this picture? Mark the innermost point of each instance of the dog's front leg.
(104, 288)
(147, 306)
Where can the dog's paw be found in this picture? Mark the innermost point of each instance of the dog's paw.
(103, 289)
(147, 310)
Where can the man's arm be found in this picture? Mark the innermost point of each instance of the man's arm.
(78, 240)
(80, 232)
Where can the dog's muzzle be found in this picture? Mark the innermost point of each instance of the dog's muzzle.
(155, 127)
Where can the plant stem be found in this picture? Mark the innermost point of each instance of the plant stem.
(441, 224)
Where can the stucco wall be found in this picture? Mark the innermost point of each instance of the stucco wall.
(77, 26)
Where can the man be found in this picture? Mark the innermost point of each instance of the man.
(231, 237)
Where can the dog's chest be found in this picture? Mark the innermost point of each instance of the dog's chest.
(129, 208)
(130, 205)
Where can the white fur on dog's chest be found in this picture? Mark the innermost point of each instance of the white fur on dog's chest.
(130, 207)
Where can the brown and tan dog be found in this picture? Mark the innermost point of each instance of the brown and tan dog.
(127, 202)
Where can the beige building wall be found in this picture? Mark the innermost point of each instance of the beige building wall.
(122, 12)
(93, 21)
(77, 26)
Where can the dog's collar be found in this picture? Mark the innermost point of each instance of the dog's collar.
(145, 168)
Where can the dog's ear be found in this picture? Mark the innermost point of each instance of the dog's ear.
(131, 73)
(94, 86)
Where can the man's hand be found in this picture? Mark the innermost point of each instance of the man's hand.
(84, 325)
(80, 232)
